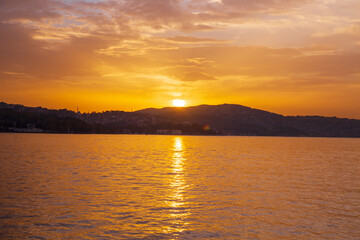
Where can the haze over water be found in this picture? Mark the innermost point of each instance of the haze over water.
(178, 187)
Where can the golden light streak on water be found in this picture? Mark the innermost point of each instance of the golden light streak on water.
(176, 200)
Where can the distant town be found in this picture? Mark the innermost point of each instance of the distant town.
(225, 119)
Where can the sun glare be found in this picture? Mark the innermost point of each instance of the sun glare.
(178, 103)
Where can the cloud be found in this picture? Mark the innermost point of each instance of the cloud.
(196, 76)
(226, 10)
(30, 10)
(193, 40)
(346, 37)
(21, 53)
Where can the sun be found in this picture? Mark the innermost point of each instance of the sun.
(178, 103)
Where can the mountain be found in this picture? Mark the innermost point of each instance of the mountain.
(19, 118)
(232, 119)
(225, 119)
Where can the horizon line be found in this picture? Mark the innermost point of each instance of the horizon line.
(159, 108)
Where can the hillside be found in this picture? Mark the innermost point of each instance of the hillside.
(232, 119)
(225, 119)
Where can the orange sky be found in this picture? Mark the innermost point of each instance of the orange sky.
(294, 57)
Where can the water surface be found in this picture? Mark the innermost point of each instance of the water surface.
(178, 187)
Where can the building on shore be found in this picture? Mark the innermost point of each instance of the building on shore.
(169, 131)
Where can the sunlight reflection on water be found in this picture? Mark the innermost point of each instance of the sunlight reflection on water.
(178, 210)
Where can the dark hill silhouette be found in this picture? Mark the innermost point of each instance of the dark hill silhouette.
(235, 119)
(225, 119)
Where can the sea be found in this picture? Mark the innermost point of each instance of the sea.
(68, 186)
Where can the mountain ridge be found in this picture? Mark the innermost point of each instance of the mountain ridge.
(223, 119)
(231, 104)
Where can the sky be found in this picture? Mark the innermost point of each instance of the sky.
(293, 57)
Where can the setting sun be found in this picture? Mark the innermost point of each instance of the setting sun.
(178, 103)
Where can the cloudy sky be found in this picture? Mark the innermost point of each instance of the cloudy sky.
(294, 57)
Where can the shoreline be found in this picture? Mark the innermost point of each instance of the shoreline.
(199, 135)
